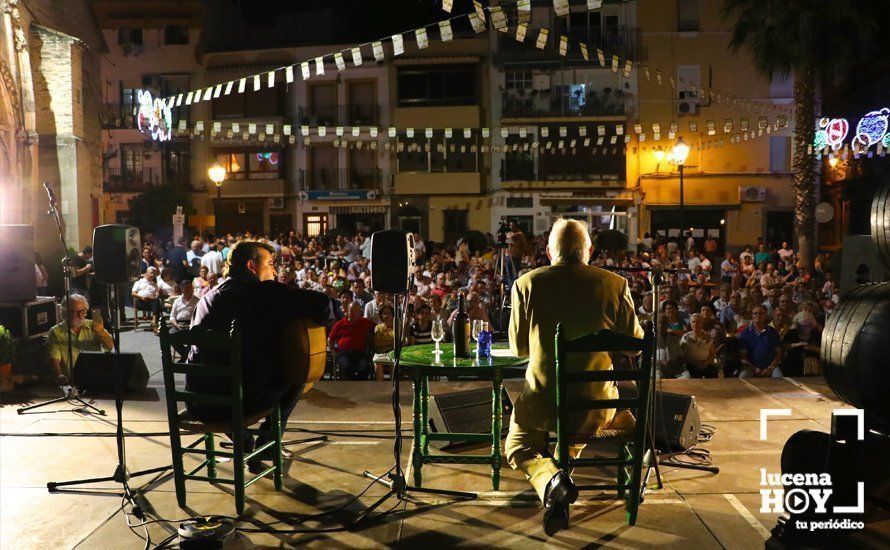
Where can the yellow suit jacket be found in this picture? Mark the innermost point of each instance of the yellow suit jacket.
(585, 299)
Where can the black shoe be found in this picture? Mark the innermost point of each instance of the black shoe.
(561, 492)
(255, 466)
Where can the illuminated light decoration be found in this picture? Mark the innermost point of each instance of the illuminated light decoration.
(872, 128)
(886, 141)
(836, 132)
(154, 117)
(820, 141)
(271, 157)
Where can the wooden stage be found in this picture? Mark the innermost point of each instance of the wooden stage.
(694, 510)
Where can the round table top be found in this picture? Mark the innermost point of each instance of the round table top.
(423, 355)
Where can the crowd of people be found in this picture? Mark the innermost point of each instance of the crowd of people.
(751, 313)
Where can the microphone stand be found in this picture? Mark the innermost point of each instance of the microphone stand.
(72, 393)
(397, 485)
(656, 278)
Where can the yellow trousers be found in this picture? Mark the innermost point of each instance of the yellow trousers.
(529, 452)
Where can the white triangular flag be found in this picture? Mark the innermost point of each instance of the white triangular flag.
(289, 74)
(256, 82)
(304, 68)
(447, 5)
(357, 56)
(561, 7)
(319, 65)
(445, 32)
(270, 79)
(339, 61)
(477, 23)
(398, 44)
(524, 9)
(423, 41)
(594, 4)
(217, 91)
(521, 30)
(378, 50)
(542, 39)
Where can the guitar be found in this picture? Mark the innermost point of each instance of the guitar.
(304, 352)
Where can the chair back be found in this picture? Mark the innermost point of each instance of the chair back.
(602, 341)
(229, 343)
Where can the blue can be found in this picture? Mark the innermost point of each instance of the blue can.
(484, 343)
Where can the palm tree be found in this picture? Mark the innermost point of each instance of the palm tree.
(817, 41)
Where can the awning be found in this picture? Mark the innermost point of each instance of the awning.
(569, 201)
(358, 209)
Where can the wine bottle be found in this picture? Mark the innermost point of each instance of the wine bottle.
(460, 330)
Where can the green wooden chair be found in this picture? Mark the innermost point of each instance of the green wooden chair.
(635, 454)
(238, 426)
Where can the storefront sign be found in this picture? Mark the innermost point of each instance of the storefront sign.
(343, 195)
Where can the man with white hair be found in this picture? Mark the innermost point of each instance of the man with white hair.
(585, 299)
(86, 335)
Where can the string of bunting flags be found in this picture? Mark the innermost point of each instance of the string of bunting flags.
(478, 20)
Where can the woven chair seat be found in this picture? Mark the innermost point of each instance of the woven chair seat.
(194, 425)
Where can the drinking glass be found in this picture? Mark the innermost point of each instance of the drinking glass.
(437, 333)
(474, 332)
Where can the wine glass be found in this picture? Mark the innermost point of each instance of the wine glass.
(437, 332)
(474, 332)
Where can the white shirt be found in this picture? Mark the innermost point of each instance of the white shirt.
(213, 261)
(145, 288)
(371, 311)
(693, 263)
(183, 310)
(164, 288)
(785, 253)
(706, 265)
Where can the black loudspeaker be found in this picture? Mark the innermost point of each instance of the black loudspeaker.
(677, 422)
(94, 371)
(117, 252)
(18, 282)
(392, 261)
(465, 412)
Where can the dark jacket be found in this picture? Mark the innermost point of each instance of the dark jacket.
(261, 309)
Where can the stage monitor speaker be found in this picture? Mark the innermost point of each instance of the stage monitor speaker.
(94, 372)
(466, 411)
(392, 261)
(17, 278)
(677, 422)
(116, 253)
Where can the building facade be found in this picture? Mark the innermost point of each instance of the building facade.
(49, 119)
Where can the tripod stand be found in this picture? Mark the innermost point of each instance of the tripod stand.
(398, 486)
(121, 474)
(502, 270)
(72, 394)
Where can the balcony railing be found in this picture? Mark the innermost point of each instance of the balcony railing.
(339, 115)
(617, 40)
(319, 179)
(134, 180)
(554, 168)
(117, 116)
(544, 104)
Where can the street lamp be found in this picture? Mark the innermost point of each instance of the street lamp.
(680, 151)
(217, 174)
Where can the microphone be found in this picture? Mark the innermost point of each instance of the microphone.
(49, 192)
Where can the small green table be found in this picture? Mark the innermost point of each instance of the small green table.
(420, 360)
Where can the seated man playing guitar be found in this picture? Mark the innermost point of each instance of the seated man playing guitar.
(263, 307)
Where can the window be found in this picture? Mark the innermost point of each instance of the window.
(131, 164)
(781, 87)
(456, 223)
(412, 153)
(687, 15)
(518, 80)
(315, 224)
(438, 153)
(437, 85)
(176, 35)
(323, 164)
(688, 81)
(129, 36)
(261, 103)
(250, 164)
(520, 202)
(780, 154)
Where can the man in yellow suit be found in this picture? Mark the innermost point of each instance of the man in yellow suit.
(585, 299)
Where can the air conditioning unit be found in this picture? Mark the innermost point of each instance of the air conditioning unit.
(752, 193)
(302, 195)
(276, 203)
(372, 194)
(687, 107)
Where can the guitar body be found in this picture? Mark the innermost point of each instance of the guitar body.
(304, 352)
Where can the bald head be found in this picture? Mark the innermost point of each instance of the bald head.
(569, 242)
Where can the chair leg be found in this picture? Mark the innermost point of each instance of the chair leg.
(633, 496)
(279, 463)
(178, 471)
(209, 447)
(622, 470)
(238, 445)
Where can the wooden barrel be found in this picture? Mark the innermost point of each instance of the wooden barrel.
(856, 350)
(880, 222)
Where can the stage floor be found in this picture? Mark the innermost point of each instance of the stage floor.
(694, 510)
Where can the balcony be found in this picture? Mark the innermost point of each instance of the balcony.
(566, 168)
(535, 104)
(327, 179)
(339, 115)
(617, 40)
(118, 117)
(129, 180)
